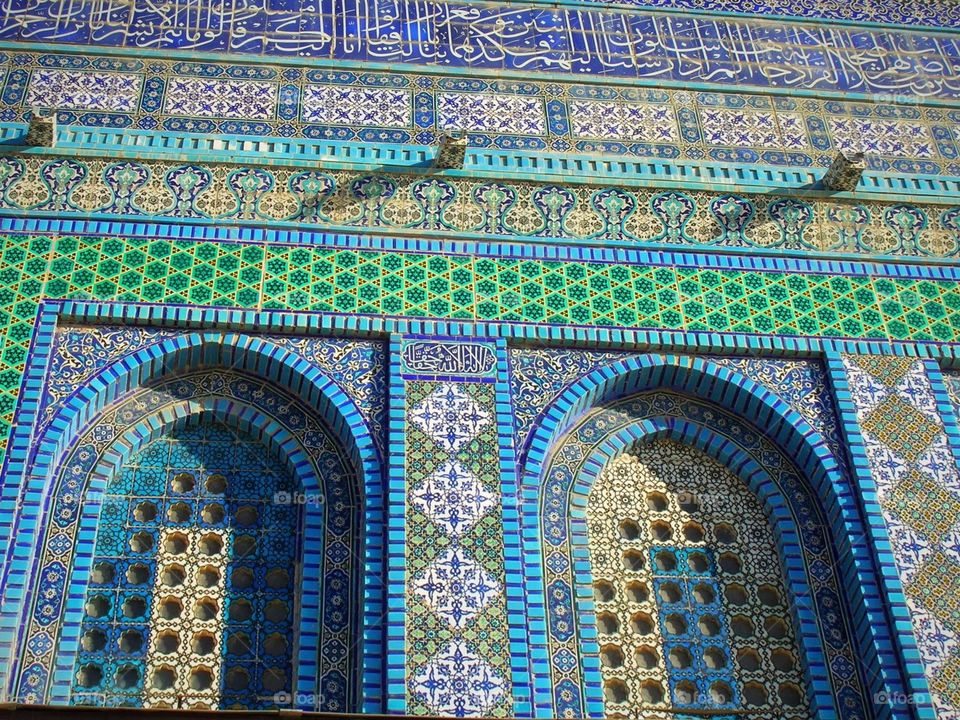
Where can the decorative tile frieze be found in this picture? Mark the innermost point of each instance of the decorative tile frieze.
(891, 138)
(84, 90)
(630, 122)
(456, 587)
(747, 129)
(206, 98)
(937, 586)
(908, 431)
(453, 497)
(924, 505)
(450, 417)
(270, 101)
(357, 106)
(453, 206)
(630, 43)
(495, 114)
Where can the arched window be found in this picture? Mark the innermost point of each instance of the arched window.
(691, 611)
(190, 601)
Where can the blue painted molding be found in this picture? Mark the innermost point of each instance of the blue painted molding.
(519, 164)
(515, 588)
(14, 589)
(596, 337)
(595, 251)
(396, 547)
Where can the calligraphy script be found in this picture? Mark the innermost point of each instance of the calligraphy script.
(448, 358)
(604, 42)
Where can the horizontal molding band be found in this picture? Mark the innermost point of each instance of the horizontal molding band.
(516, 164)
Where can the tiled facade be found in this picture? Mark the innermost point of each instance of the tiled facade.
(558, 117)
(630, 414)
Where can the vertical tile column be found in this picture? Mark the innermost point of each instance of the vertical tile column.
(450, 427)
(896, 444)
(20, 508)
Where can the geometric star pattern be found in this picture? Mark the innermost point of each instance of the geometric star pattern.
(453, 497)
(456, 587)
(458, 683)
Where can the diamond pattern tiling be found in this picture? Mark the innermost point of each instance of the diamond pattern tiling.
(454, 498)
(456, 587)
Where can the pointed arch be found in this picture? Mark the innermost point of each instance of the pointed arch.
(769, 416)
(235, 352)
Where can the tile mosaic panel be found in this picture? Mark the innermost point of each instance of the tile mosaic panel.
(546, 116)
(79, 352)
(687, 581)
(803, 385)
(478, 112)
(456, 630)
(634, 43)
(84, 90)
(205, 97)
(918, 487)
(366, 107)
(454, 207)
(539, 375)
(451, 286)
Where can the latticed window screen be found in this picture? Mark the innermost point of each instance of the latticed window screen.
(190, 602)
(691, 610)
